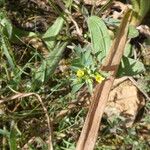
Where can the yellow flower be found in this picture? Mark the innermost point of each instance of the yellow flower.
(99, 78)
(80, 73)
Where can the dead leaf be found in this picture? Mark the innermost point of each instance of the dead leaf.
(126, 100)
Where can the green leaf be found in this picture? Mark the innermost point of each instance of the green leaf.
(76, 64)
(128, 50)
(140, 9)
(130, 67)
(18, 33)
(133, 32)
(39, 76)
(78, 50)
(54, 58)
(99, 36)
(76, 87)
(144, 7)
(89, 83)
(84, 57)
(5, 24)
(48, 66)
(50, 36)
(87, 57)
(7, 51)
(4, 133)
(111, 21)
(2, 2)
(12, 140)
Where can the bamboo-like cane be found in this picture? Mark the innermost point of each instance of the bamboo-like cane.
(89, 132)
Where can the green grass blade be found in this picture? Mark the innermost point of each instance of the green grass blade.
(6, 24)
(12, 139)
(6, 50)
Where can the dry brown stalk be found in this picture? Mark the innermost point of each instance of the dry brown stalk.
(89, 132)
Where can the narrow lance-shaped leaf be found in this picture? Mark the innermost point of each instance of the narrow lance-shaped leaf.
(144, 7)
(6, 51)
(140, 9)
(39, 76)
(54, 59)
(76, 87)
(50, 35)
(48, 66)
(12, 139)
(6, 24)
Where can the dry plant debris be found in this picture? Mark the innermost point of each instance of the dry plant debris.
(125, 100)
